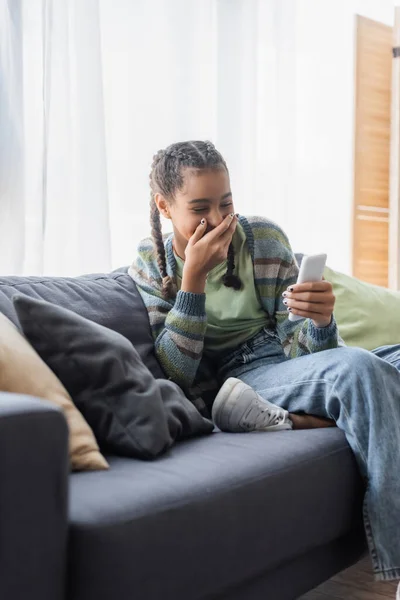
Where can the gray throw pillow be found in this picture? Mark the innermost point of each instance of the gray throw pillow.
(131, 413)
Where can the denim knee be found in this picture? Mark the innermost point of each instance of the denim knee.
(356, 357)
(361, 368)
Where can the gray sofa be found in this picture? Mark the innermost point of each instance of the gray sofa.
(225, 516)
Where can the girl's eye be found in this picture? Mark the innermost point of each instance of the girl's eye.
(200, 210)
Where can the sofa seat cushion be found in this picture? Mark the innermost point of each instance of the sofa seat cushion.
(210, 514)
(110, 299)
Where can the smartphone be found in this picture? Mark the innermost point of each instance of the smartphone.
(311, 269)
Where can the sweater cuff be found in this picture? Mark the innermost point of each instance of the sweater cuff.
(190, 304)
(323, 334)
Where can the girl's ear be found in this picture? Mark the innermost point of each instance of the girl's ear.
(162, 205)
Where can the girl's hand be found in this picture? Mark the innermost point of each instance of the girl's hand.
(205, 251)
(311, 300)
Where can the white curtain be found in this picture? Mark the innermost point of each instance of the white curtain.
(66, 196)
(12, 231)
(91, 89)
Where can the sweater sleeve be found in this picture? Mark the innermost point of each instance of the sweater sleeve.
(178, 326)
(276, 269)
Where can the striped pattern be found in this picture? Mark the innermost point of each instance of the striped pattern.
(179, 325)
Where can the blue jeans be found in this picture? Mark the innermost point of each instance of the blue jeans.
(360, 390)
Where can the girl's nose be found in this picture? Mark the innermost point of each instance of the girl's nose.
(214, 219)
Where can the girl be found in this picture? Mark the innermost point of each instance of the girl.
(218, 291)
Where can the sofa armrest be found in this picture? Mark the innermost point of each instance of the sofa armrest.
(34, 471)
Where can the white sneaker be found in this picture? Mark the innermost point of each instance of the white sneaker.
(398, 592)
(238, 408)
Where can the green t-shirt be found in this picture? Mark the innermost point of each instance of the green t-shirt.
(233, 316)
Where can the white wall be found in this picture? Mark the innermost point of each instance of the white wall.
(325, 125)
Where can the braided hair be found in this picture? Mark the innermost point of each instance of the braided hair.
(166, 177)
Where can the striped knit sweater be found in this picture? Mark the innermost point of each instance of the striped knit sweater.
(179, 325)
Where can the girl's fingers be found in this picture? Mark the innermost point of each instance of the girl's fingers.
(228, 234)
(319, 319)
(313, 297)
(315, 286)
(222, 228)
(199, 232)
(309, 307)
(307, 314)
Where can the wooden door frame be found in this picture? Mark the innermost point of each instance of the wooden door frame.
(371, 175)
(394, 189)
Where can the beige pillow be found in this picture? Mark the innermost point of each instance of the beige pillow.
(23, 371)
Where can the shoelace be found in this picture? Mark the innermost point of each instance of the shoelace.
(262, 416)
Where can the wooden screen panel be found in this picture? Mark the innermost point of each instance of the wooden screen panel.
(372, 151)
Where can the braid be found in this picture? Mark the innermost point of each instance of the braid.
(168, 286)
(209, 149)
(229, 279)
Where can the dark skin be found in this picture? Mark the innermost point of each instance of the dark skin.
(206, 196)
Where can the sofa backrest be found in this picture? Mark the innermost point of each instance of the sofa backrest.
(109, 299)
